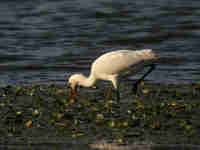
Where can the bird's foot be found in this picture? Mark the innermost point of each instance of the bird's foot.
(135, 88)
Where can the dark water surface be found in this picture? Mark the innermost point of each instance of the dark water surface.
(48, 40)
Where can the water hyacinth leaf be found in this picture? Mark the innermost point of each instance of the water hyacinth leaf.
(59, 91)
(99, 116)
(64, 101)
(111, 123)
(119, 124)
(32, 92)
(125, 124)
(62, 124)
(94, 108)
(131, 119)
(189, 107)
(178, 93)
(145, 91)
(59, 115)
(134, 117)
(162, 105)
(122, 124)
(10, 134)
(188, 127)
(140, 106)
(182, 123)
(76, 122)
(120, 140)
(155, 125)
(19, 90)
(2, 104)
(78, 134)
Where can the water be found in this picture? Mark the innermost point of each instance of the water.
(48, 40)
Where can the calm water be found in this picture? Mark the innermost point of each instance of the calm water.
(48, 40)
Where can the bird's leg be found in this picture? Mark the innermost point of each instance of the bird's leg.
(117, 95)
(114, 104)
(135, 85)
(109, 93)
(114, 79)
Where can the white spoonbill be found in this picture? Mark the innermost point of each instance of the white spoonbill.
(113, 65)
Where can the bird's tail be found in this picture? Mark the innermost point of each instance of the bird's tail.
(146, 53)
(150, 55)
(170, 60)
(156, 59)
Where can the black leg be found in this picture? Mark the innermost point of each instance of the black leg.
(117, 95)
(135, 85)
(108, 93)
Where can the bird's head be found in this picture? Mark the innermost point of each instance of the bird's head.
(73, 82)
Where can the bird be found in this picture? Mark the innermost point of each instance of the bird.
(114, 65)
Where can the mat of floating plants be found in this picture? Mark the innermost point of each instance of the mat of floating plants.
(156, 114)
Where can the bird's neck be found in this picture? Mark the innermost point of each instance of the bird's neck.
(88, 82)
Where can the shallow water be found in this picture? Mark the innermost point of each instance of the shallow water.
(48, 40)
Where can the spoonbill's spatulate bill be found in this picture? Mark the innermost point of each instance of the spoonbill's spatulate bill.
(113, 65)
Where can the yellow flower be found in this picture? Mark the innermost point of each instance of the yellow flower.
(94, 87)
(71, 101)
(145, 91)
(172, 103)
(18, 113)
(141, 83)
(29, 123)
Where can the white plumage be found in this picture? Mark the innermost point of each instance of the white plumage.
(112, 65)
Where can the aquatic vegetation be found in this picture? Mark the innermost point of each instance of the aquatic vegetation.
(29, 123)
(162, 111)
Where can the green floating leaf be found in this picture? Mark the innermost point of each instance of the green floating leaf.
(99, 116)
(10, 134)
(62, 124)
(94, 108)
(155, 125)
(78, 134)
(188, 127)
(111, 123)
(145, 91)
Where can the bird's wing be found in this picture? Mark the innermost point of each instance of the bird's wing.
(116, 62)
